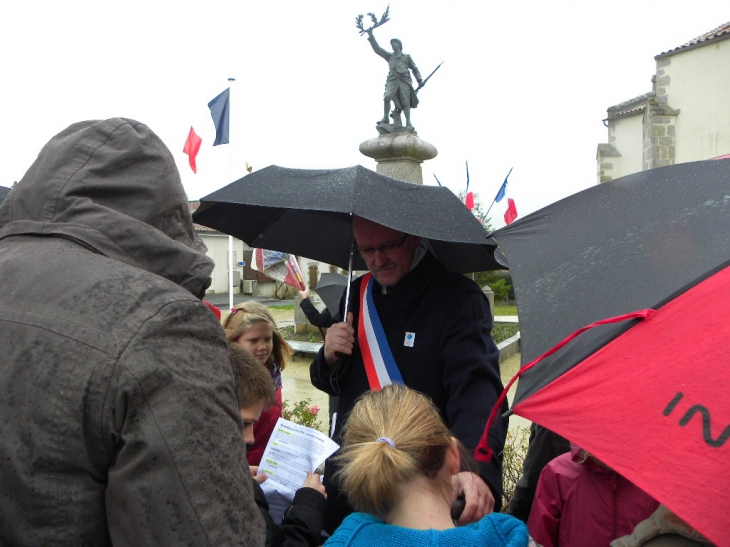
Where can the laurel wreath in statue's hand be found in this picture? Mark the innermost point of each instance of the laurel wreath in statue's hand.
(384, 19)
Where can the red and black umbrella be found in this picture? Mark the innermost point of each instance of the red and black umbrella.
(623, 292)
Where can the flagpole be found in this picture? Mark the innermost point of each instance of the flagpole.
(230, 176)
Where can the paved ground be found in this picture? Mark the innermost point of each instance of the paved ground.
(508, 369)
(506, 319)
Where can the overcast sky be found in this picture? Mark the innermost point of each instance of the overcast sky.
(523, 84)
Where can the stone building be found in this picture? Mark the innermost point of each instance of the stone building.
(685, 117)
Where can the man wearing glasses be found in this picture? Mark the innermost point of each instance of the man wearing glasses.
(437, 326)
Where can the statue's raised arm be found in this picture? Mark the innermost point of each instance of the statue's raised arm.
(376, 47)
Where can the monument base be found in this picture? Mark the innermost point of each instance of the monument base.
(401, 169)
(399, 155)
(385, 128)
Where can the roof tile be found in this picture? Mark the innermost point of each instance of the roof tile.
(722, 31)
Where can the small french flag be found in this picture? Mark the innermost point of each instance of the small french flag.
(469, 197)
(511, 213)
(192, 145)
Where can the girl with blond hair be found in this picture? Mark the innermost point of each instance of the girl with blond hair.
(397, 463)
(251, 325)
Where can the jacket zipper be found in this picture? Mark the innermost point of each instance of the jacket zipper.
(614, 486)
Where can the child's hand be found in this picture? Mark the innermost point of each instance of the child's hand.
(254, 470)
(314, 481)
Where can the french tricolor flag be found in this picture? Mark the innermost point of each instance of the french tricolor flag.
(511, 213)
(468, 196)
(220, 111)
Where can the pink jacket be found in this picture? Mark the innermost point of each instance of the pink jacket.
(263, 429)
(585, 505)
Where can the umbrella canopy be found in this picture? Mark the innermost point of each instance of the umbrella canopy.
(648, 397)
(3, 192)
(330, 288)
(308, 212)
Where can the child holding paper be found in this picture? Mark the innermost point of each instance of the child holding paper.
(302, 523)
(251, 325)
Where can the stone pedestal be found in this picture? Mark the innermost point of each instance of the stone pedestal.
(301, 323)
(313, 276)
(489, 293)
(399, 155)
(300, 320)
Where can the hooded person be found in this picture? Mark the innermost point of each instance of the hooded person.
(580, 501)
(119, 419)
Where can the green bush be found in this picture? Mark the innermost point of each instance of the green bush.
(502, 331)
(513, 456)
(500, 281)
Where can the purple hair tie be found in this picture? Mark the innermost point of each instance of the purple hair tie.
(387, 441)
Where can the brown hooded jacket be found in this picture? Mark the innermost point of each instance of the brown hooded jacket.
(119, 423)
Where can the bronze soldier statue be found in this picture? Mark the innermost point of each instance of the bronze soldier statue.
(398, 86)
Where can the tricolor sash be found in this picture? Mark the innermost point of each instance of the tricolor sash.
(376, 355)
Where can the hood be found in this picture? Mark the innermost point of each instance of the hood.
(584, 458)
(3, 192)
(113, 187)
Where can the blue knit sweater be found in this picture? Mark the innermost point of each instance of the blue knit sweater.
(494, 530)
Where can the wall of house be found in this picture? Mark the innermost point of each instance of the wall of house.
(305, 264)
(685, 117)
(630, 133)
(627, 136)
(218, 251)
(696, 83)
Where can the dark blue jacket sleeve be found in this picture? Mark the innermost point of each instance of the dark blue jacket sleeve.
(472, 378)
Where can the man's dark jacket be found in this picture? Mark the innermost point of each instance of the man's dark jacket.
(453, 360)
(119, 422)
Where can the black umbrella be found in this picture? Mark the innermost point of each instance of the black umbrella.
(308, 212)
(3, 193)
(330, 288)
(647, 397)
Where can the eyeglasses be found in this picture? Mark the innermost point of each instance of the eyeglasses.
(367, 252)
